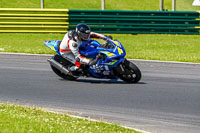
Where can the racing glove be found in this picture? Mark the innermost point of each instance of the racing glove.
(109, 37)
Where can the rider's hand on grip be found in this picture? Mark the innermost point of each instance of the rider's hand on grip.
(109, 37)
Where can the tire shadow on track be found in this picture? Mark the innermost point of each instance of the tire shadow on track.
(101, 81)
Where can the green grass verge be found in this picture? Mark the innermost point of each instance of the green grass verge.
(183, 48)
(19, 119)
(181, 5)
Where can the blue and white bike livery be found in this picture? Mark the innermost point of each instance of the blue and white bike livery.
(111, 63)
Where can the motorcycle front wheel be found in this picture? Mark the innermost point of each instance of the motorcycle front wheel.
(128, 72)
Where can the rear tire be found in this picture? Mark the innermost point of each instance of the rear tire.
(65, 63)
(131, 72)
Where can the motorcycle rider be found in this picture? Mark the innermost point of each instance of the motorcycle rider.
(69, 47)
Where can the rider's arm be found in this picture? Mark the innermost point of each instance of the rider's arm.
(75, 50)
(94, 35)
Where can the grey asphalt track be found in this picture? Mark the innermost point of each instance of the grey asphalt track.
(166, 100)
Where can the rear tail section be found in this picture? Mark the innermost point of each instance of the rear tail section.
(53, 45)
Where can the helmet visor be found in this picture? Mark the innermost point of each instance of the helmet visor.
(84, 36)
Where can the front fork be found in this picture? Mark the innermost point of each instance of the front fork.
(120, 67)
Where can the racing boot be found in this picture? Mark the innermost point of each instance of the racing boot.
(73, 68)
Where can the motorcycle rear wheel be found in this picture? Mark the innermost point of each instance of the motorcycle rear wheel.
(65, 63)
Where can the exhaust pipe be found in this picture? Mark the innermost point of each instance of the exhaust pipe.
(59, 66)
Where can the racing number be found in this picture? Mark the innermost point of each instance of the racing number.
(120, 51)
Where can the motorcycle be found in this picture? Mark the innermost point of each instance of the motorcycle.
(111, 62)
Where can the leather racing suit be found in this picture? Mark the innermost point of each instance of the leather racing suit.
(69, 48)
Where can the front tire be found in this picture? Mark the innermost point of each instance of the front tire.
(64, 62)
(128, 72)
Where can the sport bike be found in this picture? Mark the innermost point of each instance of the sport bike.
(110, 57)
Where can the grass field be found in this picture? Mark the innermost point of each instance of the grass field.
(182, 5)
(19, 119)
(152, 47)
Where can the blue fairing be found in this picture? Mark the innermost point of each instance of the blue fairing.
(89, 49)
(114, 53)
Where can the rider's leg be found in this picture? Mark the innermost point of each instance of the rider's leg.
(70, 57)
